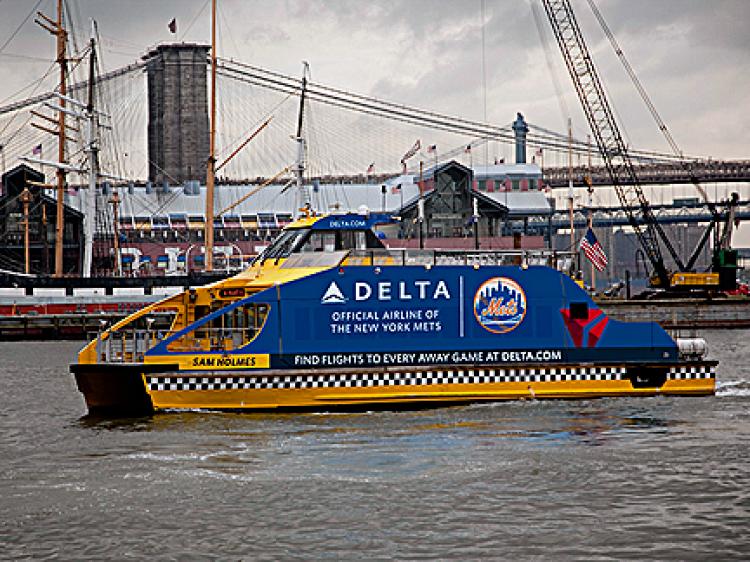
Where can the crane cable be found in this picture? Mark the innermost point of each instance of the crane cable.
(645, 97)
(548, 58)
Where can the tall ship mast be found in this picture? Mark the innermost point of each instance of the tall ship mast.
(92, 151)
(56, 28)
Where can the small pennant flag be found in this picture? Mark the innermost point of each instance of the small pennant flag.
(37, 150)
(432, 148)
(593, 250)
(173, 26)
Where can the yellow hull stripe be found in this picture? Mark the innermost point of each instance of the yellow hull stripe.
(324, 397)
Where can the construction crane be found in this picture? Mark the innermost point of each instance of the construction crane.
(614, 153)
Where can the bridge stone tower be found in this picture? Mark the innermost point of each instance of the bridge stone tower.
(178, 129)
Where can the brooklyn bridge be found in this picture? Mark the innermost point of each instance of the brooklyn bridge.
(352, 130)
(154, 144)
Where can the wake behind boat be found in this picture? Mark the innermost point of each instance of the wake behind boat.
(327, 318)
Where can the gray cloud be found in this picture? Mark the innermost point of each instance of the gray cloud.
(692, 55)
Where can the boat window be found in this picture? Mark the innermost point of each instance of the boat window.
(357, 240)
(284, 244)
(340, 240)
(352, 240)
(320, 241)
(235, 328)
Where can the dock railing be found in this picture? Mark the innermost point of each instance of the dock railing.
(124, 346)
(560, 260)
(130, 345)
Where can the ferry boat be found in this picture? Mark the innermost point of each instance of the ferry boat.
(327, 317)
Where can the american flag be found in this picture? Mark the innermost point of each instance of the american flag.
(396, 188)
(370, 168)
(468, 148)
(37, 150)
(593, 250)
(432, 148)
(411, 152)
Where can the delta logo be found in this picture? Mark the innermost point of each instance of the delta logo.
(333, 295)
(385, 291)
(499, 305)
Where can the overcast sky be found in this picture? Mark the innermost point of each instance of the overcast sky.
(692, 56)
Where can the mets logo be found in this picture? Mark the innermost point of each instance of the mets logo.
(499, 305)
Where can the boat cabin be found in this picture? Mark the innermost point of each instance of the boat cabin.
(334, 233)
(212, 318)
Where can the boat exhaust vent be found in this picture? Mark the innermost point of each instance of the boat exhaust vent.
(692, 348)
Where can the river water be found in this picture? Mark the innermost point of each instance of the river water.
(620, 478)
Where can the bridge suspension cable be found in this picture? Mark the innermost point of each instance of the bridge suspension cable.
(539, 137)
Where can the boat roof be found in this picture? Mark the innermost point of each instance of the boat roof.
(343, 221)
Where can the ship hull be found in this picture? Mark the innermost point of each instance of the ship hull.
(142, 389)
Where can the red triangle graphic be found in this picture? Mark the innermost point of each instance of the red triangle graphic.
(576, 326)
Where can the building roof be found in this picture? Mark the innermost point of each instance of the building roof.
(389, 196)
(14, 180)
(521, 203)
(273, 199)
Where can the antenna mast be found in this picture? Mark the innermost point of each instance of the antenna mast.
(210, 171)
(302, 198)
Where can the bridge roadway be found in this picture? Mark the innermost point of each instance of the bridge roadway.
(662, 173)
(725, 171)
(694, 213)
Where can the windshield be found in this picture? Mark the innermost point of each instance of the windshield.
(305, 240)
(284, 245)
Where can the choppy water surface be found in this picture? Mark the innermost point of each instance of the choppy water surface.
(625, 478)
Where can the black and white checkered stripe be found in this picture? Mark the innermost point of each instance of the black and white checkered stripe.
(692, 372)
(375, 379)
